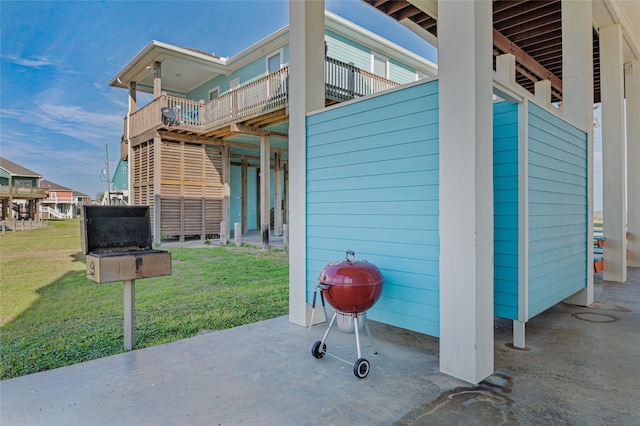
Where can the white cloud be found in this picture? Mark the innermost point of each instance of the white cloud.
(33, 62)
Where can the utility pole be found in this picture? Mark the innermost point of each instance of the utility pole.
(108, 193)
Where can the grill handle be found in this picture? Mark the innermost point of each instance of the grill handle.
(353, 256)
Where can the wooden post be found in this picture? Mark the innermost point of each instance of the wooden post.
(277, 193)
(157, 190)
(223, 233)
(265, 184)
(285, 237)
(129, 314)
(237, 233)
(226, 186)
(245, 224)
(157, 79)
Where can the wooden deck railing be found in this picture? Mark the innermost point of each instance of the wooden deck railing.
(267, 94)
(344, 81)
(29, 191)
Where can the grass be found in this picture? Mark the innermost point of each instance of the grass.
(51, 315)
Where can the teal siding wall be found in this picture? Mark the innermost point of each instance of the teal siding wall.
(236, 197)
(372, 187)
(246, 74)
(505, 202)
(400, 72)
(346, 50)
(557, 210)
(339, 48)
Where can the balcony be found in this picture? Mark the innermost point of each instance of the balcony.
(261, 102)
(22, 192)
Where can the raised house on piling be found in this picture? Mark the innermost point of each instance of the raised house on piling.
(198, 150)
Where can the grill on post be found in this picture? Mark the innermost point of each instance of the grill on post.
(117, 243)
(351, 287)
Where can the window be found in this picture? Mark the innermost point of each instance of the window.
(123, 170)
(274, 61)
(234, 83)
(379, 65)
(214, 93)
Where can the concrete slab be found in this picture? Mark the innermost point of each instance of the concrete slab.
(581, 366)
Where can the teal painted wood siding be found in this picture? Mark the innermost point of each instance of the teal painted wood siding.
(505, 203)
(557, 210)
(372, 187)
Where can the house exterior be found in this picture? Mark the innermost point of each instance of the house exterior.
(471, 191)
(61, 202)
(20, 191)
(197, 153)
(119, 194)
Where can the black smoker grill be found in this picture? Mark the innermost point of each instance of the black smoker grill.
(117, 243)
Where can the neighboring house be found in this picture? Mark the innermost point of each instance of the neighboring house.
(119, 194)
(62, 202)
(197, 153)
(20, 191)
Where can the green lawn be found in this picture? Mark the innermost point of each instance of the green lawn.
(51, 315)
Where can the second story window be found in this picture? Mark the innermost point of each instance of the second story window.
(379, 65)
(214, 93)
(274, 62)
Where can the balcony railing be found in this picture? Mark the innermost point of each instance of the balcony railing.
(344, 81)
(24, 191)
(268, 94)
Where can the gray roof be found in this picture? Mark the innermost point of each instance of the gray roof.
(16, 169)
(47, 184)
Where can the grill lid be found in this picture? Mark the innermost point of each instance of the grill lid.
(351, 272)
(115, 229)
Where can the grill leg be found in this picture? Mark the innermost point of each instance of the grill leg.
(355, 324)
(366, 327)
(326, 333)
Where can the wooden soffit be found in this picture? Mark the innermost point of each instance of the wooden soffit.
(530, 30)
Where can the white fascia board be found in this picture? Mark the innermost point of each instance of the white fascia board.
(379, 44)
(257, 50)
(157, 51)
(627, 13)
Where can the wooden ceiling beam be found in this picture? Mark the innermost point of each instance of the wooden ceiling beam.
(393, 7)
(525, 8)
(257, 131)
(523, 58)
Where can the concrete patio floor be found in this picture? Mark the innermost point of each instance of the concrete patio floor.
(581, 366)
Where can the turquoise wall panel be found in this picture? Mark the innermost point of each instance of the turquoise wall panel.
(505, 185)
(557, 210)
(345, 50)
(372, 187)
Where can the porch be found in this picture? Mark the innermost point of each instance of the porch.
(259, 104)
(264, 373)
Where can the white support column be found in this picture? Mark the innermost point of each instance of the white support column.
(523, 225)
(306, 88)
(632, 85)
(577, 106)
(265, 187)
(613, 155)
(466, 189)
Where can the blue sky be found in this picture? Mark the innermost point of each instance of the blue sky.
(57, 111)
